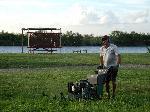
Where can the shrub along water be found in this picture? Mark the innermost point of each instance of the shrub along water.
(76, 39)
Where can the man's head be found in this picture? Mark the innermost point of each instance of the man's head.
(105, 40)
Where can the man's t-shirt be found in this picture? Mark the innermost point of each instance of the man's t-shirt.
(109, 55)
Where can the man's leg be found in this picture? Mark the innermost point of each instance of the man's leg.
(113, 88)
(107, 89)
(107, 80)
(100, 81)
(114, 75)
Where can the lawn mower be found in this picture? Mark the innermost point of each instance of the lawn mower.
(91, 87)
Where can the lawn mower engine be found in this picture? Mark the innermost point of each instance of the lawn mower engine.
(89, 88)
(83, 89)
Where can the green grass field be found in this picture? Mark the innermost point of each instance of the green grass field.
(30, 82)
(48, 60)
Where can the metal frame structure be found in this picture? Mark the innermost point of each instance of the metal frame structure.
(45, 38)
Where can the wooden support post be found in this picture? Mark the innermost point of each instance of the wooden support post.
(22, 40)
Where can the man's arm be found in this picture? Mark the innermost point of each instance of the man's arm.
(118, 55)
(118, 59)
(101, 60)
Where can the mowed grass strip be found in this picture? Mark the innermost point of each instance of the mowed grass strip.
(76, 59)
(39, 90)
(46, 60)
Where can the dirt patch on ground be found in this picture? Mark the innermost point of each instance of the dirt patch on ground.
(122, 66)
(135, 66)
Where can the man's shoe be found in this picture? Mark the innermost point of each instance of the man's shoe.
(108, 97)
(100, 97)
(113, 96)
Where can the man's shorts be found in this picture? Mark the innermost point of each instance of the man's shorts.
(112, 74)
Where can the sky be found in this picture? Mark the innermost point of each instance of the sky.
(98, 17)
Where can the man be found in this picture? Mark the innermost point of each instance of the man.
(111, 59)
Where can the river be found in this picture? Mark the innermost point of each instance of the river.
(89, 49)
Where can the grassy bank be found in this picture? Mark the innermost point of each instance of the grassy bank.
(35, 90)
(38, 86)
(48, 60)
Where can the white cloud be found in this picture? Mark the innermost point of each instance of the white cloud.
(131, 2)
(91, 16)
(72, 16)
(137, 17)
(109, 18)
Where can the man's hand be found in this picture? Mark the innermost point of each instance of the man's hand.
(100, 67)
(118, 65)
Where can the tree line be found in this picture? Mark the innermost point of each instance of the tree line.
(76, 39)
